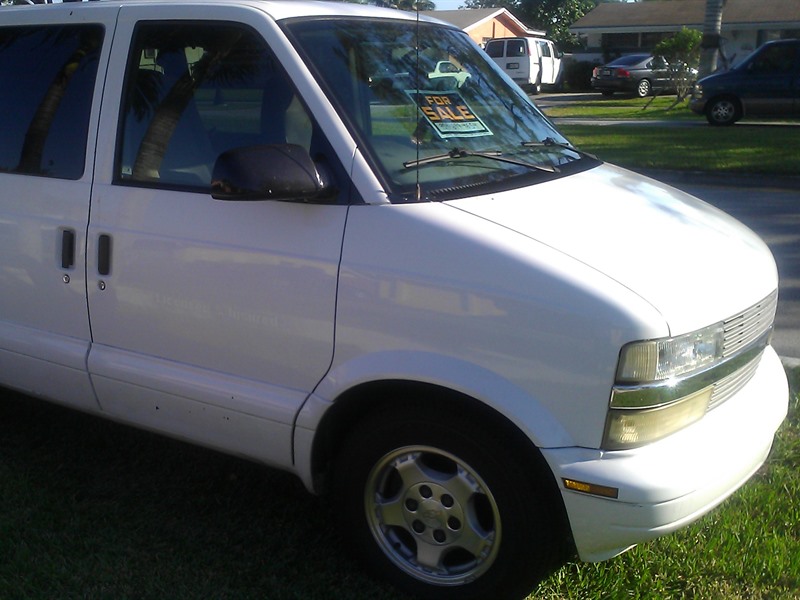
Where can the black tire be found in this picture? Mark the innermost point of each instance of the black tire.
(644, 88)
(443, 507)
(723, 111)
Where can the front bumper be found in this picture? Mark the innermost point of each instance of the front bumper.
(671, 483)
(697, 105)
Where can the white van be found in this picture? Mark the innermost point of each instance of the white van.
(530, 61)
(264, 227)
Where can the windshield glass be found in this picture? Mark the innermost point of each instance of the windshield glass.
(430, 110)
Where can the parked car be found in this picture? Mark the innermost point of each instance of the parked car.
(530, 61)
(766, 83)
(638, 74)
(448, 75)
(258, 226)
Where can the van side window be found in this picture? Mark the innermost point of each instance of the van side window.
(545, 48)
(778, 59)
(495, 49)
(195, 90)
(47, 77)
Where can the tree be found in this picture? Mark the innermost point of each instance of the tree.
(712, 26)
(408, 5)
(553, 16)
(167, 113)
(86, 42)
(414, 5)
(682, 52)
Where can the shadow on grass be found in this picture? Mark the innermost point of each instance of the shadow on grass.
(92, 509)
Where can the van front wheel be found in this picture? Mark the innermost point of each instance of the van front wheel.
(443, 508)
(723, 111)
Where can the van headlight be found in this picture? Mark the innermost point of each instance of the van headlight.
(658, 360)
(662, 386)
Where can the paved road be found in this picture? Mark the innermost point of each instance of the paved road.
(771, 208)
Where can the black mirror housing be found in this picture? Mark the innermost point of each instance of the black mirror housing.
(269, 172)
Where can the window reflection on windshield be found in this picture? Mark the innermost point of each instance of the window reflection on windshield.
(414, 90)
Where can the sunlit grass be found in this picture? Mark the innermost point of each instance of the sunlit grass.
(740, 149)
(595, 107)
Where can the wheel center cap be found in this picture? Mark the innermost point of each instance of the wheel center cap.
(431, 513)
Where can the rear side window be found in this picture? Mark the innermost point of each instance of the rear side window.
(516, 48)
(495, 49)
(47, 77)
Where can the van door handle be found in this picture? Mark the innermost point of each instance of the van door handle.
(67, 248)
(104, 254)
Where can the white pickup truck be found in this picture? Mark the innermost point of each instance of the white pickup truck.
(264, 227)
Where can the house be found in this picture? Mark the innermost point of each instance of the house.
(615, 28)
(484, 24)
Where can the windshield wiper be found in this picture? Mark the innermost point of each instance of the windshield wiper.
(490, 154)
(549, 142)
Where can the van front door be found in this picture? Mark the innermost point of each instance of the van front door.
(770, 83)
(212, 320)
(549, 71)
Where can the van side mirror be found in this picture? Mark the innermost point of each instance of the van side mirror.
(269, 172)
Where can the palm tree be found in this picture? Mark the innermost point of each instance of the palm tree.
(167, 113)
(87, 42)
(712, 27)
(414, 5)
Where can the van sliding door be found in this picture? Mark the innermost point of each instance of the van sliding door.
(48, 79)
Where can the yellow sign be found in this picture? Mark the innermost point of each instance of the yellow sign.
(449, 114)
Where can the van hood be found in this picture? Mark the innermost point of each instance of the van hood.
(721, 76)
(695, 264)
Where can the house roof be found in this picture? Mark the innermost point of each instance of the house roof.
(660, 15)
(467, 19)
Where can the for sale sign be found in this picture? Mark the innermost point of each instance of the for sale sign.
(449, 114)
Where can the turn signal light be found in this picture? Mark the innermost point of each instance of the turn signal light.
(591, 488)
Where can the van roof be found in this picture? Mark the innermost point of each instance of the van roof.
(520, 37)
(278, 9)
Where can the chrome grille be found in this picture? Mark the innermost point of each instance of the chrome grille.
(746, 327)
(741, 331)
(728, 386)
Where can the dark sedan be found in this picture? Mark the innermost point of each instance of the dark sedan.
(638, 74)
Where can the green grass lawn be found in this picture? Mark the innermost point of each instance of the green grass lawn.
(91, 509)
(755, 147)
(735, 150)
(596, 107)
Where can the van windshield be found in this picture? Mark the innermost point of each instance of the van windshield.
(430, 111)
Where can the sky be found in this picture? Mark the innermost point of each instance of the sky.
(448, 4)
